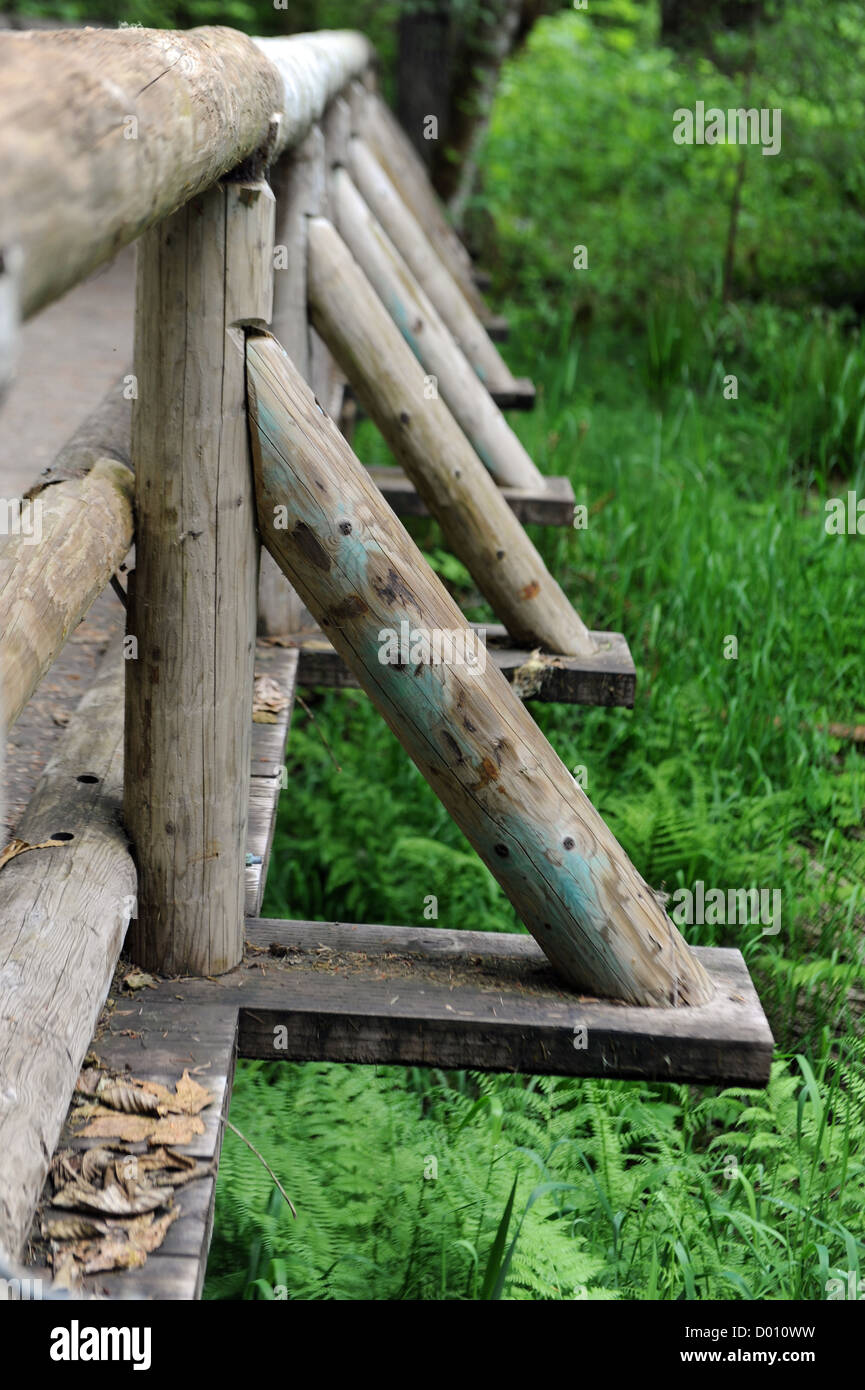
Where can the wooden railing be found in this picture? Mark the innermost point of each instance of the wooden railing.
(269, 190)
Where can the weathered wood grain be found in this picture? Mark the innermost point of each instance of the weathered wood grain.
(192, 606)
(475, 519)
(410, 240)
(361, 575)
(550, 505)
(63, 915)
(430, 340)
(133, 123)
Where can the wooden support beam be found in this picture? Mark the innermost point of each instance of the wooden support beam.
(430, 340)
(607, 677)
(362, 577)
(460, 493)
(298, 187)
(550, 505)
(202, 275)
(410, 240)
(498, 328)
(520, 395)
(63, 915)
(381, 130)
(411, 996)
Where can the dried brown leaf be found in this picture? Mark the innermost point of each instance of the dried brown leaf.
(88, 1081)
(112, 1253)
(132, 1100)
(139, 979)
(110, 1201)
(191, 1096)
(70, 1225)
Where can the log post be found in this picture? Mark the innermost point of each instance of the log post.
(202, 274)
(469, 402)
(410, 239)
(377, 124)
(366, 582)
(459, 492)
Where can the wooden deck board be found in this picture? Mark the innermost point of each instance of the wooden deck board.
(552, 506)
(608, 678)
(489, 1001)
(521, 396)
(266, 764)
(169, 1038)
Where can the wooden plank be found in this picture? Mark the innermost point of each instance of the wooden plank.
(364, 579)
(426, 440)
(521, 395)
(448, 371)
(202, 275)
(551, 505)
(497, 327)
(410, 239)
(63, 915)
(266, 781)
(606, 678)
(38, 730)
(168, 1038)
(416, 996)
(136, 121)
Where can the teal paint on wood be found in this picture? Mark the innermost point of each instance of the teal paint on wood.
(360, 574)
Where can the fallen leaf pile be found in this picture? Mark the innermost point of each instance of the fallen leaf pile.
(267, 700)
(109, 1206)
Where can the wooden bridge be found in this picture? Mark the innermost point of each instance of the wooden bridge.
(293, 267)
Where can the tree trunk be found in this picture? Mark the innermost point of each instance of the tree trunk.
(423, 81)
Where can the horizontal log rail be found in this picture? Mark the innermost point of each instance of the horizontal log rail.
(75, 530)
(133, 123)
